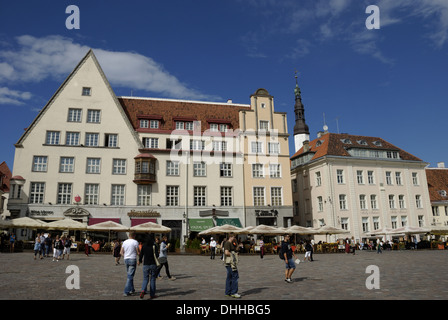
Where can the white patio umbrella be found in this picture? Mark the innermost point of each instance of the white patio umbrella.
(411, 230)
(66, 224)
(382, 232)
(439, 230)
(5, 223)
(245, 230)
(226, 228)
(300, 230)
(150, 227)
(266, 230)
(27, 223)
(330, 230)
(108, 226)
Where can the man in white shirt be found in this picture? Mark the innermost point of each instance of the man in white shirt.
(130, 250)
(212, 248)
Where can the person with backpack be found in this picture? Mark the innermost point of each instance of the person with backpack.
(67, 246)
(287, 254)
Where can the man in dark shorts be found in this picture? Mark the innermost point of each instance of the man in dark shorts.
(287, 256)
(231, 262)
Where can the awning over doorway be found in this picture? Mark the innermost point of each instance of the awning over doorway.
(137, 221)
(98, 220)
(199, 225)
(231, 221)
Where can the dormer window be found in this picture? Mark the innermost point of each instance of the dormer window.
(362, 142)
(319, 143)
(346, 141)
(377, 143)
(443, 193)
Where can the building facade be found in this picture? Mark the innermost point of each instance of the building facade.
(92, 156)
(438, 194)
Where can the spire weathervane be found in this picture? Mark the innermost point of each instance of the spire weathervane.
(297, 92)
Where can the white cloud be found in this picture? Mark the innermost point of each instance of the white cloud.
(13, 97)
(54, 57)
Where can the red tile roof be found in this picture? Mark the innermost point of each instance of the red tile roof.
(331, 144)
(170, 110)
(437, 181)
(5, 173)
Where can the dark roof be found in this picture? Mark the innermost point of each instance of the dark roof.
(6, 176)
(437, 181)
(168, 111)
(331, 144)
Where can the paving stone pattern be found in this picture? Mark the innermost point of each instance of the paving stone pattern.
(404, 275)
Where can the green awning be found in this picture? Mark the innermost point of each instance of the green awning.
(199, 225)
(231, 221)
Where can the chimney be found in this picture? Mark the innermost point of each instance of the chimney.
(440, 164)
(229, 101)
(306, 146)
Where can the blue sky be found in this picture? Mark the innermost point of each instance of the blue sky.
(389, 83)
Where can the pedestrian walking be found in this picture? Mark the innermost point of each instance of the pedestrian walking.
(12, 240)
(231, 264)
(116, 251)
(287, 252)
(222, 248)
(37, 247)
(163, 259)
(261, 243)
(48, 244)
(67, 246)
(379, 246)
(87, 246)
(57, 248)
(212, 248)
(148, 255)
(130, 251)
(308, 250)
(353, 245)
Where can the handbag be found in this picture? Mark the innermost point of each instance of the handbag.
(155, 258)
(163, 260)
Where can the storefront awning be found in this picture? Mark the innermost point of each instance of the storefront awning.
(199, 225)
(137, 221)
(231, 221)
(99, 220)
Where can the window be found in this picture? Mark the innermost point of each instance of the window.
(154, 124)
(219, 146)
(401, 202)
(37, 192)
(370, 177)
(318, 179)
(276, 196)
(258, 194)
(144, 123)
(226, 196)
(144, 195)
(179, 125)
(257, 170)
(93, 165)
(415, 178)
(342, 202)
(92, 139)
(64, 193)
(398, 178)
(214, 127)
(256, 147)
(365, 224)
(111, 140)
(67, 164)
(172, 196)
(344, 223)
(199, 196)
(376, 223)
(391, 201)
(320, 204)
(373, 203)
(263, 105)
(264, 125)
(74, 115)
(225, 169)
(189, 125)
(93, 116)
(86, 91)
(273, 148)
(52, 137)
(117, 197)
(435, 211)
(40, 163)
(72, 139)
(362, 202)
(360, 176)
(393, 221)
(119, 166)
(404, 221)
(223, 127)
(275, 170)
(421, 221)
(197, 145)
(199, 169)
(172, 168)
(151, 143)
(388, 178)
(91, 193)
(294, 185)
(340, 176)
(418, 201)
